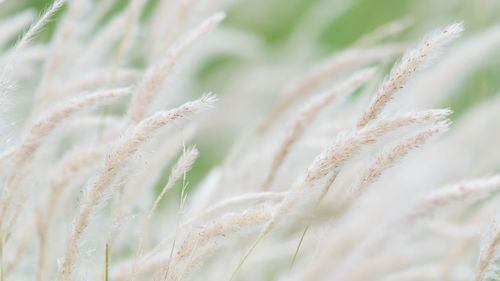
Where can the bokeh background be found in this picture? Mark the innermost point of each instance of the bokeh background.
(286, 36)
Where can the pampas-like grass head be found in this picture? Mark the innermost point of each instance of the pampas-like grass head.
(340, 179)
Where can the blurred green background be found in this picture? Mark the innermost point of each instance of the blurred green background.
(274, 22)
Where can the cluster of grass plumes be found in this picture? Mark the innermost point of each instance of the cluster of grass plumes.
(342, 179)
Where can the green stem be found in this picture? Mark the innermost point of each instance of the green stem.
(298, 246)
(106, 263)
(245, 257)
(1, 259)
